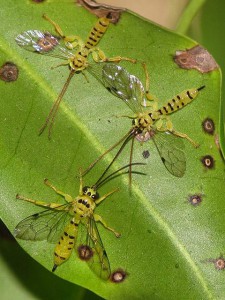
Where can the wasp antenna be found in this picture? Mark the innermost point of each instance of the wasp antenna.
(126, 140)
(202, 87)
(114, 174)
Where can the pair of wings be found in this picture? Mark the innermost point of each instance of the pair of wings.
(49, 225)
(130, 89)
(121, 84)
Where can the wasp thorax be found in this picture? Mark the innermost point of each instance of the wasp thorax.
(143, 121)
(79, 61)
(84, 206)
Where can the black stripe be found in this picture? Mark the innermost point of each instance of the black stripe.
(65, 233)
(92, 39)
(188, 93)
(101, 32)
(56, 254)
(88, 43)
(159, 111)
(164, 107)
(71, 237)
(170, 105)
(178, 97)
(150, 115)
(103, 25)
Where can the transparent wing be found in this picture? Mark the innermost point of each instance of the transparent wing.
(98, 260)
(120, 83)
(170, 148)
(43, 43)
(48, 224)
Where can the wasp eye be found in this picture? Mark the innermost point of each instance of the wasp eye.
(85, 189)
(95, 196)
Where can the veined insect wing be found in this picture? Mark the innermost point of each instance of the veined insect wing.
(170, 148)
(116, 80)
(47, 224)
(98, 262)
(123, 85)
(120, 83)
(43, 43)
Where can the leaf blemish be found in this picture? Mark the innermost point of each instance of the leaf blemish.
(145, 154)
(118, 276)
(195, 200)
(219, 263)
(196, 58)
(102, 10)
(208, 126)
(85, 252)
(9, 72)
(37, 1)
(208, 161)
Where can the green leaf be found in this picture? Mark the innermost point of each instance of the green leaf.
(210, 35)
(166, 243)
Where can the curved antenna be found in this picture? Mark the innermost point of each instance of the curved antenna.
(51, 116)
(128, 137)
(114, 174)
(107, 151)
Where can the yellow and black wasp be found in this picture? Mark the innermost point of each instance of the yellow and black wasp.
(60, 224)
(148, 121)
(72, 49)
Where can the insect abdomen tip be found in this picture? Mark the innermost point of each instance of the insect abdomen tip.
(54, 268)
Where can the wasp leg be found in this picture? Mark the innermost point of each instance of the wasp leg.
(57, 206)
(67, 197)
(105, 196)
(99, 219)
(99, 56)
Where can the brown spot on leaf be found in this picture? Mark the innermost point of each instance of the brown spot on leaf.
(102, 10)
(219, 263)
(9, 72)
(208, 126)
(196, 58)
(195, 200)
(145, 154)
(118, 276)
(37, 1)
(208, 161)
(85, 252)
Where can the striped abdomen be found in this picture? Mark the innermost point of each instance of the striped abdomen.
(179, 101)
(66, 243)
(97, 32)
